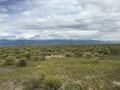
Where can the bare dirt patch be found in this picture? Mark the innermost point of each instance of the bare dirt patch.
(116, 83)
(10, 85)
(4, 71)
(55, 56)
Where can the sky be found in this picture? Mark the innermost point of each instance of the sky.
(60, 19)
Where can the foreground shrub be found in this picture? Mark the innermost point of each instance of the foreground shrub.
(51, 83)
(35, 82)
(22, 62)
(10, 60)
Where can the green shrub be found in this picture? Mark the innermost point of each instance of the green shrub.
(114, 51)
(51, 83)
(68, 55)
(87, 55)
(42, 58)
(35, 82)
(104, 51)
(96, 54)
(4, 55)
(101, 56)
(27, 54)
(22, 62)
(10, 60)
(78, 54)
(36, 58)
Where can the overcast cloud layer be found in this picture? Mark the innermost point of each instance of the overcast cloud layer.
(60, 19)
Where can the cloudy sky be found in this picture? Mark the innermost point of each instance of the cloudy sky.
(60, 19)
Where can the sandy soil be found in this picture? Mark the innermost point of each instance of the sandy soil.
(3, 71)
(55, 56)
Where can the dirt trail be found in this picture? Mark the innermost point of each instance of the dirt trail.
(3, 71)
(55, 56)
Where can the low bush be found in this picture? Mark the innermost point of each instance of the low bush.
(96, 54)
(68, 55)
(78, 54)
(51, 83)
(35, 82)
(87, 55)
(35, 58)
(105, 51)
(114, 51)
(101, 56)
(10, 60)
(42, 58)
(22, 62)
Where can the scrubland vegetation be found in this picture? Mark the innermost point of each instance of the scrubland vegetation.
(60, 67)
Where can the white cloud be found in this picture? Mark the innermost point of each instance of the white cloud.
(3, 1)
(61, 19)
(3, 9)
(3, 15)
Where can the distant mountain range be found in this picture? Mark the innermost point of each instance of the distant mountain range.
(51, 42)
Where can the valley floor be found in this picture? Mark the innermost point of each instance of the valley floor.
(61, 71)
(74, 73)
